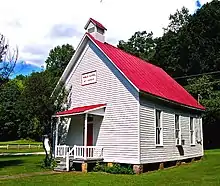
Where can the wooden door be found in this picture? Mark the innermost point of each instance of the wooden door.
(90, 134)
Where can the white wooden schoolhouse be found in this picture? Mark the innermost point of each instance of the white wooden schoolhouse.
(122, 109)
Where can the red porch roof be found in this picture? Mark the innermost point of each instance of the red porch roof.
(78, 110)
(147, 77)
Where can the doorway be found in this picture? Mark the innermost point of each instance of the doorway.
(90, 134)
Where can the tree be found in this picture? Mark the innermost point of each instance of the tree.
(9, 95)
(35, 106)
(141, 44)
(172, 48)
(8, 59)
(26, 103)
(191, 48)
(58, 59)
(177, 20)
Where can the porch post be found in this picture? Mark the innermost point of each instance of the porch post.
(85, 136)
(56, 136)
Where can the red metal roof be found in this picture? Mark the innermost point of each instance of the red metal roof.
(97, 23)
(78, 110)
(147, 77)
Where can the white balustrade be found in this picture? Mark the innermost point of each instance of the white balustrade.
(88, 152)
(79, 152)
(62, 151)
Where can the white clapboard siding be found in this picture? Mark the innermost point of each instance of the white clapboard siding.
(150, 153)
(118, 132)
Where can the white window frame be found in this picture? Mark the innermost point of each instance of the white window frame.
(201, 128)
(160, 128)
(192, 131)
(199, 134)
(178, 140)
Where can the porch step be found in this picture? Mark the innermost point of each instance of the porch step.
(61, 165)
(60, 169)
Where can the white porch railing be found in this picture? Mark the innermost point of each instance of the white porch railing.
(78, 152)
(62, 150)
(88, 152)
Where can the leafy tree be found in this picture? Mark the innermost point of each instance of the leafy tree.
(172, 48)
(26, 103)
(179, 19)
(9, 95)
(141, 44)
(58, 59)
(191, 48)
(35, 106)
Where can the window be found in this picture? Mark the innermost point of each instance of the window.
(198, 129)
(90, 30)
(192, 131)
(177, 130)
(159, 134)
(99, 30)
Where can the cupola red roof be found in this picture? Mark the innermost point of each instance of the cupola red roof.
(98, 24)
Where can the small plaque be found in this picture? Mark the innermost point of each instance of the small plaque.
(89, 78)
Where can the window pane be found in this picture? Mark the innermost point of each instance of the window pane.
(177, 133)
(177, 126)
(199, 129)
(158, 127)
(157, 136)
(192, 138)
(158, 115)
(191, 123)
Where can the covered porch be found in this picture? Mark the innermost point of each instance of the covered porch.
(81, 141)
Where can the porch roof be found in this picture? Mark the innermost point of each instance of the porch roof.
(80, 110)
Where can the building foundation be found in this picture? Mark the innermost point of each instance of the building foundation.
(85, 167)
(138, 169)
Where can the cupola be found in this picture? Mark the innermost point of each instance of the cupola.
(96, 29)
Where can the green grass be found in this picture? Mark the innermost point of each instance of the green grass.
(10, 165)
(202, 173)
(19, 146)
(21, 141)
(21, 150)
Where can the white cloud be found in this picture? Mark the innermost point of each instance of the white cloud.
(28, 22)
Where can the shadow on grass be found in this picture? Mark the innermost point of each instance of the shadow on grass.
(8, 163)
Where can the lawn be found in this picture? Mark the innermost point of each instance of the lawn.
(21, 150)
(205, 172)
(21, 141)
(20, 146)
(11, 165)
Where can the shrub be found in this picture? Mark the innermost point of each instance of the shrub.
(99, 167)
(49, 163)
(115, 169)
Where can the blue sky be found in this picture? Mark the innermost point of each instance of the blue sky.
(36, 32)
(24, 69)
